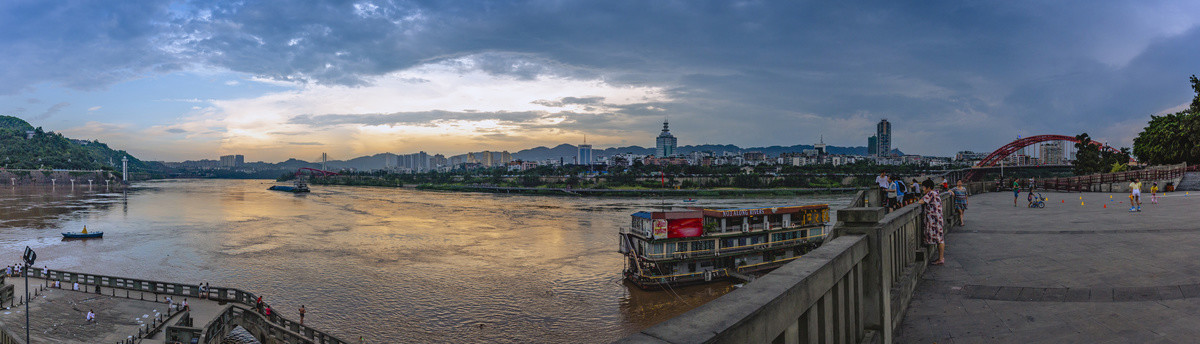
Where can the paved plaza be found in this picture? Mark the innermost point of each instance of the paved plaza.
(1069, 273)
(57, 315)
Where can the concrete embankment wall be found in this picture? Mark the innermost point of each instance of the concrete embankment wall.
(59, 178)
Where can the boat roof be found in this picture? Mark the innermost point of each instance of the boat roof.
(742, 212)
(670, 215)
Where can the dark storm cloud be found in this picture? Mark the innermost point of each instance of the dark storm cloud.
(973, 74)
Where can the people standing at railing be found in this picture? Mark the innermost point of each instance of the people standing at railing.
(899, 188)
(931, 205)
(302, 311)
(184, 306)
(960, 202)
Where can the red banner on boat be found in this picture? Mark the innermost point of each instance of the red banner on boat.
(685, 228)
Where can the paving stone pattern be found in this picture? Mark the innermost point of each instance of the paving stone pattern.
(1069, 273)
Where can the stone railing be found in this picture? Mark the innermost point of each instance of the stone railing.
(303, 334)
(264, 326)
(853, 289)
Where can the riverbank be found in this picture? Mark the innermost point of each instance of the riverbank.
(636, 192)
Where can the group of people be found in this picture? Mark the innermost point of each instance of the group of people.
(929, 197)
(183, 306)
(1135, 194)
(203, 288)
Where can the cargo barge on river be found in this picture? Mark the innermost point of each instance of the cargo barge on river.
(696, 245)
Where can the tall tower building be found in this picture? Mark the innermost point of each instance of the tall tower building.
(585, 153)
(665, 144)
(883, 134)
(820, 147)
(873, 145)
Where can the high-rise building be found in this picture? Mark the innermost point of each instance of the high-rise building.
(585, 154)
(239, 160)
(883, 132)
(227, 160)
(665, 144)
(1053, 153)
(873, 145)
(820, 146)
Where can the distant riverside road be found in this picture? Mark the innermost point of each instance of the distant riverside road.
(637, 192)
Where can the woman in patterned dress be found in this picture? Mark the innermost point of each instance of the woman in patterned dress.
(931, 205)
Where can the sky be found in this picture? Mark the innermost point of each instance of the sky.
(272, 80)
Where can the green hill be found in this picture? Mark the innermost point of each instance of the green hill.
(49, 150)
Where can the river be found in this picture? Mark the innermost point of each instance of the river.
(392, 265)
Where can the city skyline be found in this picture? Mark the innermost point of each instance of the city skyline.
(189, 80)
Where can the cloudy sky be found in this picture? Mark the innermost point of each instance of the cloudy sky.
(274, 79)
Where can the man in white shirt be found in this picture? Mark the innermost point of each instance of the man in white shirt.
(76, 287)
(91, 316)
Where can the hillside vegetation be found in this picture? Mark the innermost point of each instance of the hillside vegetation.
(49, 150)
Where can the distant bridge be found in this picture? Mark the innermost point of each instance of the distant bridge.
(997, 156)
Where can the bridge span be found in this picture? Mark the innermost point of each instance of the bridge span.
(58, 313)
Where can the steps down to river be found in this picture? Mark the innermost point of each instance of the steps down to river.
(1190, 182)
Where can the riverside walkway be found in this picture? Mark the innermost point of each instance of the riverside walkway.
(1068, 273)
(136, 311)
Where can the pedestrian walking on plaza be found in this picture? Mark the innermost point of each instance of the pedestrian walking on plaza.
(931, 205)
(302, 311)
(960, 202)
(1016, 190)
(1154, 193)
(1135, 195)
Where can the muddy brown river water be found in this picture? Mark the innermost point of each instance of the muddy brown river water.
(391, 265)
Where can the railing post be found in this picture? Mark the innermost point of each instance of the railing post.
(877, 273)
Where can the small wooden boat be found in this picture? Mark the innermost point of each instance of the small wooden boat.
(689, 200)
(82, 235)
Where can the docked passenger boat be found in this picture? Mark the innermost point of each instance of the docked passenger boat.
(697, 245)
(82, 235)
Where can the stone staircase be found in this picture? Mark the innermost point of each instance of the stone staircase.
(1190, 182)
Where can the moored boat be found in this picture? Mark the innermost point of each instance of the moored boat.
(297, 186)
(696, 245)
(82, 235)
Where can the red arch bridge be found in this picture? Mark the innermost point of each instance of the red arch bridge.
(997, 156)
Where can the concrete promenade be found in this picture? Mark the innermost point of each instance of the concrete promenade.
(57, 315)
(1064, 274)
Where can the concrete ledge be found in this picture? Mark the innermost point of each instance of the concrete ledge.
(765, 308)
